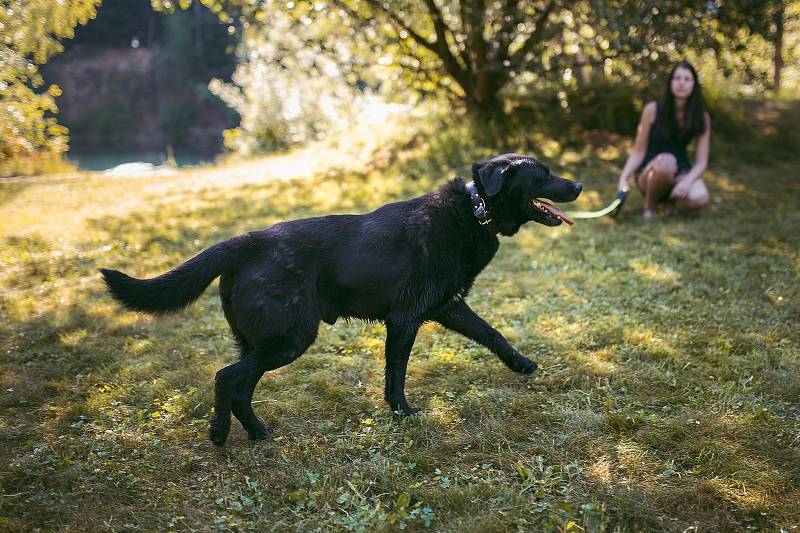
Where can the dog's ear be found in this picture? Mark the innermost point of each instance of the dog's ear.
(491, 173)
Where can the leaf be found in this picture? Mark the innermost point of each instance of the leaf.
(564, 506)
(523, 472)
(403, 500)
(297, 496)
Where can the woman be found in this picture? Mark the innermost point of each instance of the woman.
(659, 159)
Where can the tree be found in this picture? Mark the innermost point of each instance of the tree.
(31, 31)
(473, 50)
(767, 19)
(285, 92)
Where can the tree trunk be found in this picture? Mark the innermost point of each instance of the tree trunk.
(488, 120)
(199, 45)
(778, 43)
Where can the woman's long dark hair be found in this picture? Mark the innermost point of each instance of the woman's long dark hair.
(694, 123)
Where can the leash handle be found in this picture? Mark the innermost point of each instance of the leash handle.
(621, 196)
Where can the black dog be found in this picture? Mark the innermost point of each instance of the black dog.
(404, 264)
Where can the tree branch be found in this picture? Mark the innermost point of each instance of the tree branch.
(510, 14)
(424, 73)
(459, 73)
(376, 4)
(473, 14)
(518, 58)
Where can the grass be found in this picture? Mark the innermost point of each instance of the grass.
(668, 397)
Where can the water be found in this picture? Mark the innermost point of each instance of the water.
(96, 160)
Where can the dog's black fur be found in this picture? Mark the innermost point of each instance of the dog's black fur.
(404, 264)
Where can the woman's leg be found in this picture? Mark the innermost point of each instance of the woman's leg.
(698, 196)
(656, 180)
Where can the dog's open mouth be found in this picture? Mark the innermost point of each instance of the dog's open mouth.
(551, 212)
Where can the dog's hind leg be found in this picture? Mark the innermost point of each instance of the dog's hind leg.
(242, 396)
(460, 318)
(235, 383)
(400, 337)
(242, 408)
(227, 382)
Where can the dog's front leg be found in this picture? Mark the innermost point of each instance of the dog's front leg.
(400, 337)
(460, 318)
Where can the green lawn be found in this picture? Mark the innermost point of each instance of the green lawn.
(668, 396)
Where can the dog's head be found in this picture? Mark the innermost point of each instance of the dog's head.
(515, 188)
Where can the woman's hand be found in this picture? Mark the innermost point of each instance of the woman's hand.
(624, 183)
(681, 190)
(639, 150)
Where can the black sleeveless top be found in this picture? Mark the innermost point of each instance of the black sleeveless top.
(674, 144)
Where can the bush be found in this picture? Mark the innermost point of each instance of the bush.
(566, 113)
(757, 130)
(287, 89)
(35, 163)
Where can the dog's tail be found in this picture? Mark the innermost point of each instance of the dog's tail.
(178, 288)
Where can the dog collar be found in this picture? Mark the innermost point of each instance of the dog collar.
(479, 208)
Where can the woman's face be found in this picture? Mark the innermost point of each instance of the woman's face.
(682, 82)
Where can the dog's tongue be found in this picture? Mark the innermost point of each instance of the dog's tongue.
(556, 212)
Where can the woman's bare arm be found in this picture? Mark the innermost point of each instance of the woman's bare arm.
(639, 145)
(701, 155)
(681, 189)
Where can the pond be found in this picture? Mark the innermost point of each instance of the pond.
(94, 159)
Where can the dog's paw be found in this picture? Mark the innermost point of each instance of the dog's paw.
(406, 411)
(522, 365)
(256, 430)
(218, 432)
(216, 438)
(260, 433)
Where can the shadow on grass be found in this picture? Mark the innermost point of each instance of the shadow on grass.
(11, 188)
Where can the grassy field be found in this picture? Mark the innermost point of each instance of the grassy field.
(668, 396)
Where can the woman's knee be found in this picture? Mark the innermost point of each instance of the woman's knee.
(665, 164)
(697, 202)
(698, 196)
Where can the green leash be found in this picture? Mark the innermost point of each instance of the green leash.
(613, 208)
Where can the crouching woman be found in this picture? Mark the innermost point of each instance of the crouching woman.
(659, 162)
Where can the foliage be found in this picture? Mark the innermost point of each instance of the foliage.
(31, 31)
(475, 55)
(667, 397)
(767, 29)
(285, 92)
(472, 51)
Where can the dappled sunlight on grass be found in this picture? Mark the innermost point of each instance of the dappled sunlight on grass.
(601, 470)
(598, 362)
(632, 461)
(653, 271)
(725, 183)
(653, 343)
(609, 152)
(569, 157)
